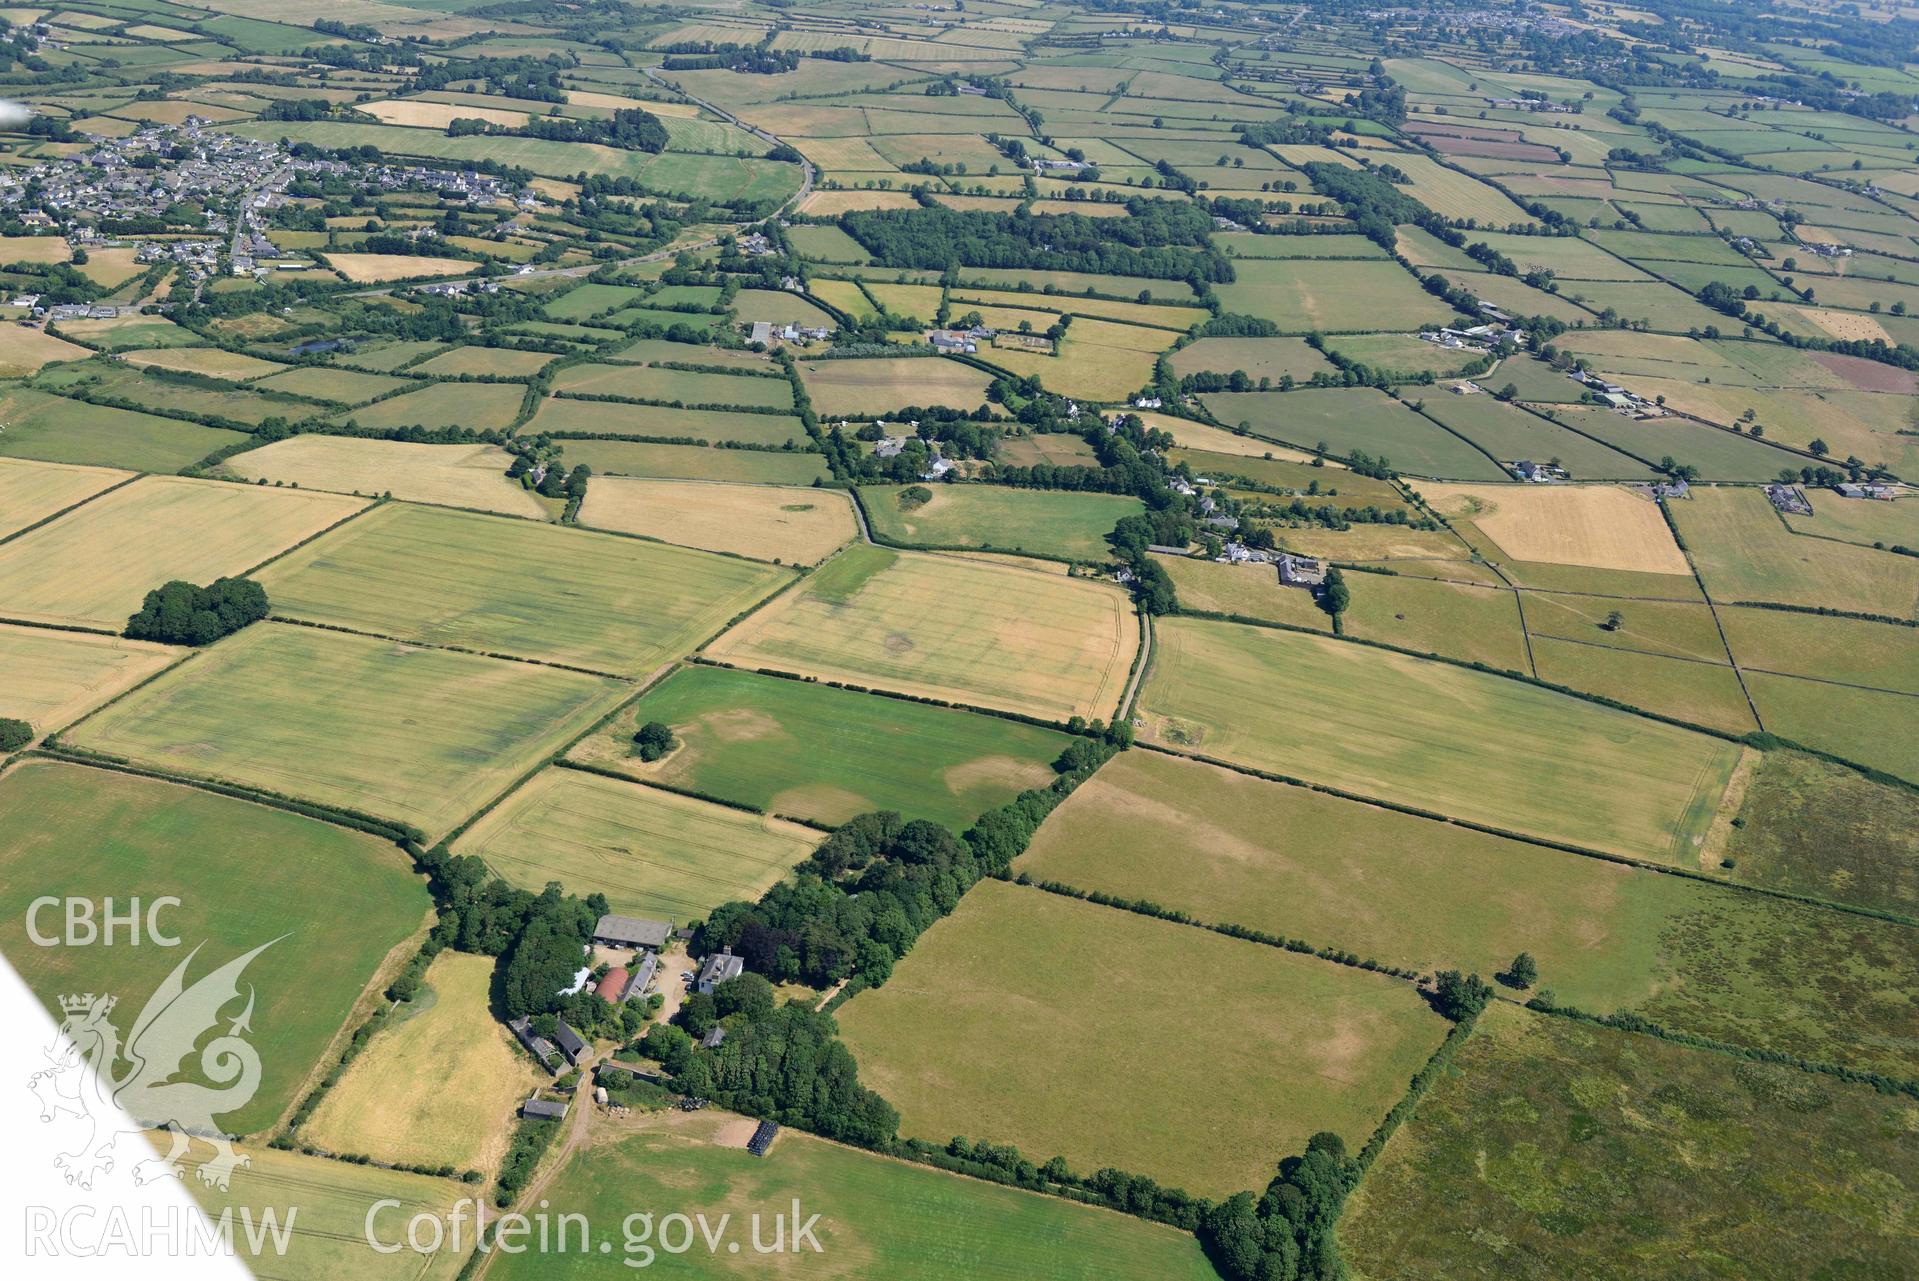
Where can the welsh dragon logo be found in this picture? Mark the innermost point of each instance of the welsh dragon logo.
(93, 1069)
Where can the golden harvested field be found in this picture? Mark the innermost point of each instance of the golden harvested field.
(437, 115)
(971, 631)
(93, 566)
(1599, 526)
(212, 361)
(30, 492)
(1098, 359)
(830, 204)
(49, 678)
(25, 350)
(448, 475)
(614, 102)
(34, 249)
(882, 384)
(651, 852)
(765, 522)
(395, 1104)
(377, 268)
(1848, 326)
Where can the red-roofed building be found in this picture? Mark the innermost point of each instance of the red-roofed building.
(612, 986)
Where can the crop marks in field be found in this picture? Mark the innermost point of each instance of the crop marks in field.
(93, 566)
(1435, 737)
(651, 852)
(764, 522)
(802, 748)
(425, 736)
(618, 605)
(945, 627)
(1103, 1021)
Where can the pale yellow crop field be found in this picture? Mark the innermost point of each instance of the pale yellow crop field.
(446, 475)
(93, 566)
(651, 852)
(31, 492)
(51, 678)
(34, 249)
(212, 361)
(25, 350)
(437, 115)
(394, 1103)
(376, 268)
(765, 522)
(971, 631)
(1599, 526)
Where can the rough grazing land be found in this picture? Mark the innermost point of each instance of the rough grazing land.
(801, 748)
(341, 899)
(944, 627)
(93, 566)
(506, 586)
(1554, 1149)
(652, 853)
(878, 1218)
(393, 1104)
(1437, 737)
(1110, 1045)
(422, 735)
(1600, 526)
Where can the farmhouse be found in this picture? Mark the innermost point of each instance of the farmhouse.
(719, 968)
(631, 931)
(642, 977)
(1538, 473)
(543, 1110)
(1789, 499)
(952, 340)
(1301, 571)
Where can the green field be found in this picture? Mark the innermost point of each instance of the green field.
(1512, 434)
(426, 736)
(1406, 891)
(1349, 419)
(341, 899)
(616, 418)
(795, 747)
(1021, 520)
(651, 852)
(1433, 736)
(57, 430)
(1554, 1150)
(1744, 552)
(692, 462)
(475, 406)
(1471, 624)
(619, 605)
(681, 386)
(333, 1200)
(1111, 1046)
(1256, 357)
(964, 630)
(1708, 694)
(878, 1218)
(1303, 295)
